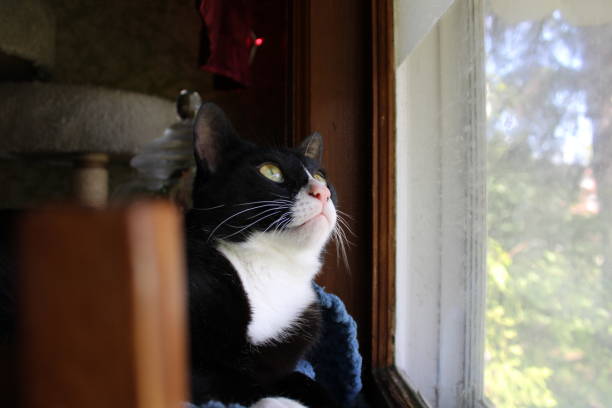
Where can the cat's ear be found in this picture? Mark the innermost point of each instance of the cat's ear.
(312, 147)
(213, 135)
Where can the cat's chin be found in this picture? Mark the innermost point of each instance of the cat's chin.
(312, 234)
(317, 219)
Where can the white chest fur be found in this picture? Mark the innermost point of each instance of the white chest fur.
(277, 280)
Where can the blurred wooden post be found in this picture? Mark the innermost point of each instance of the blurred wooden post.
(102, 300)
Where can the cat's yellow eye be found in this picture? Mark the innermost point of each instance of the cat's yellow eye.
(319, 177)
(272, 172)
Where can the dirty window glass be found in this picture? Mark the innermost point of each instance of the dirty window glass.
(549, 183)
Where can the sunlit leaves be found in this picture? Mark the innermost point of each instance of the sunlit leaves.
(549, 306)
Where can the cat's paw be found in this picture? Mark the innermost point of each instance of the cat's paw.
(277, 402)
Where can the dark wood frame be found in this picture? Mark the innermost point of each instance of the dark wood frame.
(383, 184)
(384, 385)
(389, 387)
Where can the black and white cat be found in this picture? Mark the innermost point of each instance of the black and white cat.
(260, 220)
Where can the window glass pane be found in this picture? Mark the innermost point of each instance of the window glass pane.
(549, 176)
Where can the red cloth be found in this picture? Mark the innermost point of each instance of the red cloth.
(229, 30)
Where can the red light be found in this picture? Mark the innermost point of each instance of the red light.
(259, 41)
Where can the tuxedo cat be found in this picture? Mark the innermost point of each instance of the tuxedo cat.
(260, 220)
(254, 237)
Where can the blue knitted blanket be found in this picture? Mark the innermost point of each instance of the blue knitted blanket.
(335, 362)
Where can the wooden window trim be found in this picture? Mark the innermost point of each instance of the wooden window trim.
(385, 386)
(388, 386)
(383, 184)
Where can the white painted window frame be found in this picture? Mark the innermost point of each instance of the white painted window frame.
(441, 210)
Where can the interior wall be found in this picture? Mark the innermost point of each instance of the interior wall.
(339, 108)
(143, 46)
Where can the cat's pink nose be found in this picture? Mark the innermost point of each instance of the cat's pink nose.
(320, 192)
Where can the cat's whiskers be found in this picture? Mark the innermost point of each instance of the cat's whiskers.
(286, 223)
(281, 196)
(216, 207)
(209, 208)
(264, 201)
(281, 223)
(268, 205)
(250, 225)
(277, 223)
(344, 226)
(280, 207)
(339, 234)
(340, 248)
(347, 215)
(235, 215)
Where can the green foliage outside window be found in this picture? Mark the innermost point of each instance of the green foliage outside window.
(549, 297)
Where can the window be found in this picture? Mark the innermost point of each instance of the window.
(504, 218)
(441, 210)
(549, 182)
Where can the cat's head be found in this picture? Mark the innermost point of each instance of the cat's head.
(241, 189)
